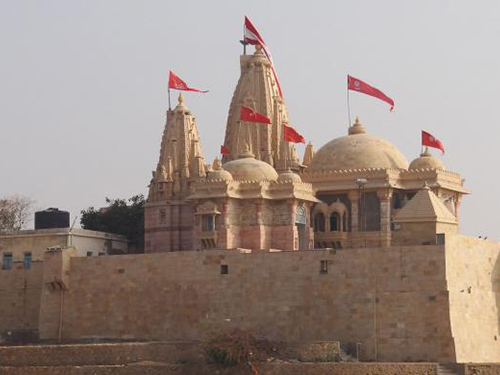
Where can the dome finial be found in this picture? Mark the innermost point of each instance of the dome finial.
(258, 49)
(216, 165)
(246, 152)
(357, 128)
(181, 99)
(426, 152)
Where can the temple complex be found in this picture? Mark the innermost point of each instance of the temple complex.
(350, 245)
(260, 196)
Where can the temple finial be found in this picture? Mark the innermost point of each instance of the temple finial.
(181, 99)
(216, 165)
(356, 128)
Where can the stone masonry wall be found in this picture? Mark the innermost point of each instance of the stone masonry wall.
(173, 232)
(20, 298)
(394, 301)
(473, 273)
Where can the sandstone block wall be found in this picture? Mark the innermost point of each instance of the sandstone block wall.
(473, 274)
(392, 300)
(173, 232)
(20, 298)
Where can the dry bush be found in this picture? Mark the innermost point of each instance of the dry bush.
(231, 348)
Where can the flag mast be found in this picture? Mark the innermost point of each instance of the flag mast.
(169, 106)
(243, 41)
(348, 103)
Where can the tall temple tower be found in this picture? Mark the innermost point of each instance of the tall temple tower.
(257, 89)
(168, 220)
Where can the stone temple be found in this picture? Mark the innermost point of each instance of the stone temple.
(354, 192)
(351, 244)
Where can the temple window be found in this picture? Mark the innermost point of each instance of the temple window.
(334, 222)
(207, 222)
(224, 269)
(344, 222)
(163, 216)
(319, 222)
(323, 267)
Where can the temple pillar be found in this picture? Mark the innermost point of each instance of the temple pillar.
(223, 229)
(197, 230)
(294, 233)
(260, 232)
(354, 199)
(384, 195)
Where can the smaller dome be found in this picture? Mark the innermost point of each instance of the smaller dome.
(426, 161)
(289, 176)
(247, 168)
(218, 173)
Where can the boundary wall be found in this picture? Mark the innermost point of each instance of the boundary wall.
(394, 301)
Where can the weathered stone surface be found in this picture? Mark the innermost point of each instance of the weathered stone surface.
(258, 368)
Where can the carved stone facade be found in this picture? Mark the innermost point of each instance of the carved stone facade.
(366, 181)
(168, 214)
(350, 191)
(257, 89)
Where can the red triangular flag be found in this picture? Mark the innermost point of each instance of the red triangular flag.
(252, 36)
(224, 150)
(248, 114)
(360, 86)
(176, 83)
(431, 141)
(291, 135)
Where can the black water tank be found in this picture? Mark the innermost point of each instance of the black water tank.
(51, 218)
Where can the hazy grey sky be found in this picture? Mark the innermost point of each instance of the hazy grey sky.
(83, 85)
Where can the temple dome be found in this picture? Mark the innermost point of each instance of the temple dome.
(247, 168)
(289, 176)
(358, 150)
(218, 173)
(426, 161)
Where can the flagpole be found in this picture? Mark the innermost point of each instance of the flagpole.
(287, 147)
(169, 106)
(348, 105)
(238, 135)
(242, 41)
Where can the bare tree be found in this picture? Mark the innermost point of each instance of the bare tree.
(15, 212)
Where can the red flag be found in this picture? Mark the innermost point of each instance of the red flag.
(176, 83)
(224, 150)
(247, 114)
(360, 86)
(252, 36)
(431, 141)
(291, 135)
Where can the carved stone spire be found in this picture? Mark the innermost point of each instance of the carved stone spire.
(258, 90)
(308, 154)
(180, 158)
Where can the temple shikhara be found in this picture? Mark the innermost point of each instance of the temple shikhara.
(355, 191)
(350, 245)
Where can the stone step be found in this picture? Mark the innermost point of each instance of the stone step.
(96, 370)
(446, 369)
(296, 368)
(101, 354)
